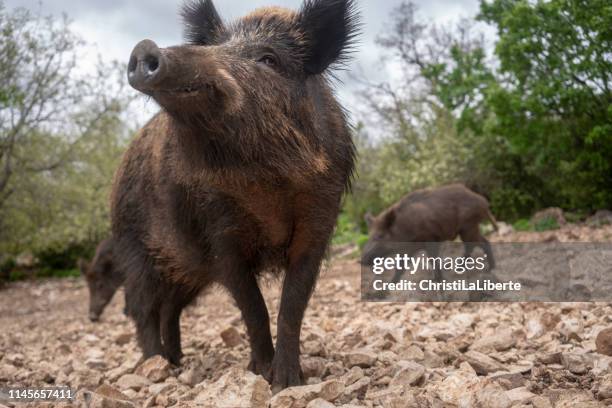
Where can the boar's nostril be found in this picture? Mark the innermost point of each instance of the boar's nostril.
(133, 64)
(151, 62)
(145, 65)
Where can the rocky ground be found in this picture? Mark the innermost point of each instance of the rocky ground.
(355, 354)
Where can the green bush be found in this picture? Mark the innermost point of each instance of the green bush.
(6, 267)
(62, 262)
(362, 240)
(50, 263)
(57, 273)
(522, 225)
(347, 231)
(546, 224)
(574, 216)
(16, 274)
(63, 258)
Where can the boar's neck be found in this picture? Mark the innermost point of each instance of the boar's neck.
(248, 152)
(205, 148)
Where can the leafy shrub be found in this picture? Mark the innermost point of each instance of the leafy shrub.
(16, 274)
(574, 216)
(347, 231)
(5, 269)
(522, 225)
(546, 224)
(61, 262)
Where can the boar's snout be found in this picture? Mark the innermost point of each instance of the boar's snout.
(146, 66)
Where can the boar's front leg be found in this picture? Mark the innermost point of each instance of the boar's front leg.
(304, 263)
(242, 285)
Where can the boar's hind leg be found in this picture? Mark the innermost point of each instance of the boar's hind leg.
(242, 285)
(472, 238)
(486, 247)
(174, 302)
(433, 250)
(143, 306)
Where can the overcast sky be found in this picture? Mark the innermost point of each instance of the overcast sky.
(115, 26)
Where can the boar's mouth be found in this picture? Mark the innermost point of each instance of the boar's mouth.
(185, 91)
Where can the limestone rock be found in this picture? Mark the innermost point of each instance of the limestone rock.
(459, 386)
(299, 397)
(124, 338)
(482, 363)
(356, 390)
(104, 397)
(410, 373)
(604, 388)
(236, 388)
(155, 369)
(133, 381)
(576, 363)
(603, 342)
(313, 366)
(231, 337)
(319, 403)
(353, 375)
(492, 395)
(571, 328)
(501, 340)
(111, 392)
(360, 358)
(192, 376)
(520, 394)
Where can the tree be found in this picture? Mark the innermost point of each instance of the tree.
(45, 108)
(447, 64)
(432, 117)
(554, 100)
(61, 135)
(529, 126)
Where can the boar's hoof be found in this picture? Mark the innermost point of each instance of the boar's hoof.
(260, 367)
(285, 375)
(174, 358)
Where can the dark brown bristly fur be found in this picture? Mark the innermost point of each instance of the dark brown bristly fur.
(241, 172)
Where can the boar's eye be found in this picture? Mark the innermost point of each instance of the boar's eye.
(269, 60)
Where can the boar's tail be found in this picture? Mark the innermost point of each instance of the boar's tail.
(492, 219)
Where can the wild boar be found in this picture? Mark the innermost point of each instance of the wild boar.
(431, 216)
(103, 278)
(242, 171)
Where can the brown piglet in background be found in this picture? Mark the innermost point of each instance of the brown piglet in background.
(431, 216)
(103, 278)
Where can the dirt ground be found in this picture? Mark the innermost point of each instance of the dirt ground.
(354, 353)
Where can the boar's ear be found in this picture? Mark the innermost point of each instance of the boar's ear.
(202, 22)
(369, 219)
(388, 219)
(330, 27)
